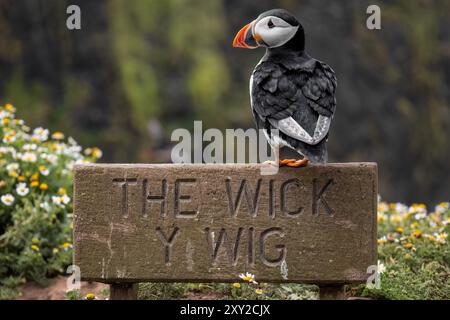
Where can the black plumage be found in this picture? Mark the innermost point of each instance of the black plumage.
(289, 83)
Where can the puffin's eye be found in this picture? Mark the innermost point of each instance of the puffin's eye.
(270, 24)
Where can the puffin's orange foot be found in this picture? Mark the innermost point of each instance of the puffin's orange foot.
(294, 162)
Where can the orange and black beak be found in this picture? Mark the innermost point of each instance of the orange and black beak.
(245, 38)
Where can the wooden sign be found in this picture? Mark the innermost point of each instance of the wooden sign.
(157, 222)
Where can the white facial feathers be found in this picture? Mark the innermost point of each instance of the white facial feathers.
(274, 31)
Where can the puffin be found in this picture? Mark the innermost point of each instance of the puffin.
(292, 95)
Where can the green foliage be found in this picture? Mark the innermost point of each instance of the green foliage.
(35, 207)
(235, 291)
(131, 23)
(400, 281)
(414, 248)
(74, 295)
(151, 291)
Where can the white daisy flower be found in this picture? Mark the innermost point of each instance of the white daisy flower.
(7, 199)
(401, 208)
(442, 207)
(14, 166)
(65, 199)
(248, 277)
(29, 147)
(22, 189)
(56, 200)
(46, 206)
(29, 157)
(44, 171)
(420, 215)
(40, 134)
(9, 138)
(381, 268)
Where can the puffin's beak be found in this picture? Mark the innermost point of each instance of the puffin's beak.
(244, 38)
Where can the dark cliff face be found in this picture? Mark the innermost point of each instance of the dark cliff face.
(113, 81)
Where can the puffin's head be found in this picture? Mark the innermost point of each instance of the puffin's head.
(273, 28)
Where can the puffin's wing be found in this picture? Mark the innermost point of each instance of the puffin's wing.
(274, 95)
(279, 91)
(320, 89)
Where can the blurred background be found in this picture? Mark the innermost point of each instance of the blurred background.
(139, 69)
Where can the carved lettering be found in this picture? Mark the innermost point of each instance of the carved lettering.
(251, 246)
(251, 197)
(281, 248)
(283, 189)
(179, 198)
(318, 197)
(159, 199)
(167, 242)
(232, 248)
(123, 183)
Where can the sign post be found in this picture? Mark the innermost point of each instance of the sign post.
(190, 223)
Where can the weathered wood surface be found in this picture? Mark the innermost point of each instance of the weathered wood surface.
(211, 222)
(123, 291)
(330, 292)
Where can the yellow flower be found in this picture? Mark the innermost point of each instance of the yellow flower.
(414, 225)
(90, 296)
(381, 241)
(442, 237)
(58, 135)
(237, 285)
(87, 151)
(5, 121)
(391, 206)
(9, 138)
(408, 245)
(66, 245)
(43, 186)
(34, 241)
(13, 174)
(34, 177)
(21, 178)
(380, 218)
(62, 191)
(9, 107)
(34, 184)
(417, 234)
(399, 230)
(34, 247)
(97, 153)
(382, 207)
(258, 291)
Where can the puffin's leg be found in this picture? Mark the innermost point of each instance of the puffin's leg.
(276, 151)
